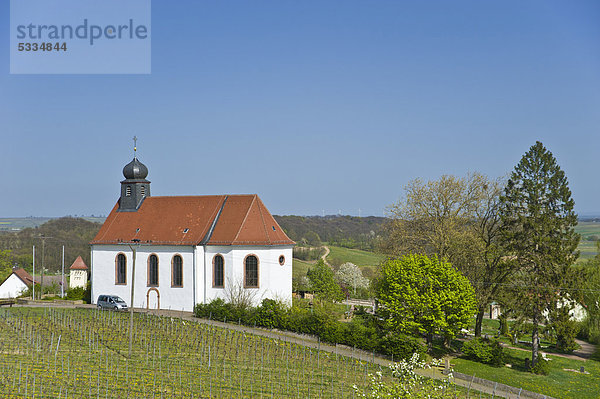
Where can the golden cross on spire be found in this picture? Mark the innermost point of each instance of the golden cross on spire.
(134, 145)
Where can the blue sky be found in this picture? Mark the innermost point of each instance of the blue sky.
(315, 105)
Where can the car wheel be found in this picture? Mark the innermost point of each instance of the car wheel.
(115, 308)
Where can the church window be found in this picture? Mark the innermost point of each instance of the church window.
(218, 271)
(152, 270)
(251, 272)
(143, 190)
(121, 269)
(282, 260)
(128, 191)
(177, 272)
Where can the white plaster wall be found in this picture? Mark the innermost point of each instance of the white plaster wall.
(175, 298)
(275, 280)
(12, 287)
(77, 278)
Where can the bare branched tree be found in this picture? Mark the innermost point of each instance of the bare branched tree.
(238, 295)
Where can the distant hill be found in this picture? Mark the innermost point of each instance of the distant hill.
(343, 231)
(73, 233)
(18, 224)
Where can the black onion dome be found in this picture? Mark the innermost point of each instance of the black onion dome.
(135, 170)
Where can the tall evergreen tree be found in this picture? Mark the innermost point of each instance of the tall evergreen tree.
(539, 220)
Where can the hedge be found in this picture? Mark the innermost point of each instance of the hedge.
(364, 331)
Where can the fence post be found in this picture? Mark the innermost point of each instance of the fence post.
(469, 390)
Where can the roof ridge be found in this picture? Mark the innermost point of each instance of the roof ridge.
(263, 220)
(244, 220)
(214, 215)
(111, 222)
(215, 220)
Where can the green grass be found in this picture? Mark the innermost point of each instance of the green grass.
(488, 326)
(356, 256)
(300, 267)
(587, 248)
(558, 384)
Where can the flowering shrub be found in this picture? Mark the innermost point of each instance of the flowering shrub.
(407, 383)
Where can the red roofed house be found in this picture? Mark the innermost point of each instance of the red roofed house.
(78, 274)
(17, 282)
(190, 249)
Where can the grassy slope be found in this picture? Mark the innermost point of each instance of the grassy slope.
(587, 248)
(300, 267)
(558, 384)
(356, 256)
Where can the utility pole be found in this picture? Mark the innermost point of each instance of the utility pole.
(42, 276)
(43, 238)
(134, 251)
(33, 294)
(62, 279)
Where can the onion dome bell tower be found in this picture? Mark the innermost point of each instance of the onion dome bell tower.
(135, 188)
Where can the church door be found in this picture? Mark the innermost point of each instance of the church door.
(153, 299)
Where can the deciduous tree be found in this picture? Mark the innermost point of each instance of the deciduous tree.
(427, 295)
(323, 283)
(455, 218)
(350, 275)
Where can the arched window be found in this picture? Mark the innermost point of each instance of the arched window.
(218, 271)
(121, 269)
(152, 270)
(251, 272)
(177, 271)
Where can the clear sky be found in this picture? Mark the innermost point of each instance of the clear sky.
(314, 105)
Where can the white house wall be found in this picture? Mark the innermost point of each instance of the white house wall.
(12, 287)
(175, 298)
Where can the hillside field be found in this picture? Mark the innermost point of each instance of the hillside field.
(590, 231)
(76, 353)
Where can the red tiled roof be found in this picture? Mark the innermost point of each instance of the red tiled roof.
(209, 220)
(24, 276)
(79, 264)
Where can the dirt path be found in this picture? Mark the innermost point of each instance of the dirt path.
(324, 257)
(584, 353)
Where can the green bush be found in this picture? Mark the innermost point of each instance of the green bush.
(542, 366)
(217, 309)
(363, 331)
(400, 346)
(488, 351)
(270, 314)
(565, 329)
(80, 293)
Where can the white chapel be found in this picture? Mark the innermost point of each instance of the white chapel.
(189, 249)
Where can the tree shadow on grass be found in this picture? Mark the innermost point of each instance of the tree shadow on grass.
(517, 363)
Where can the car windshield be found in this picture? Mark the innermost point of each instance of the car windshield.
(119, 300)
